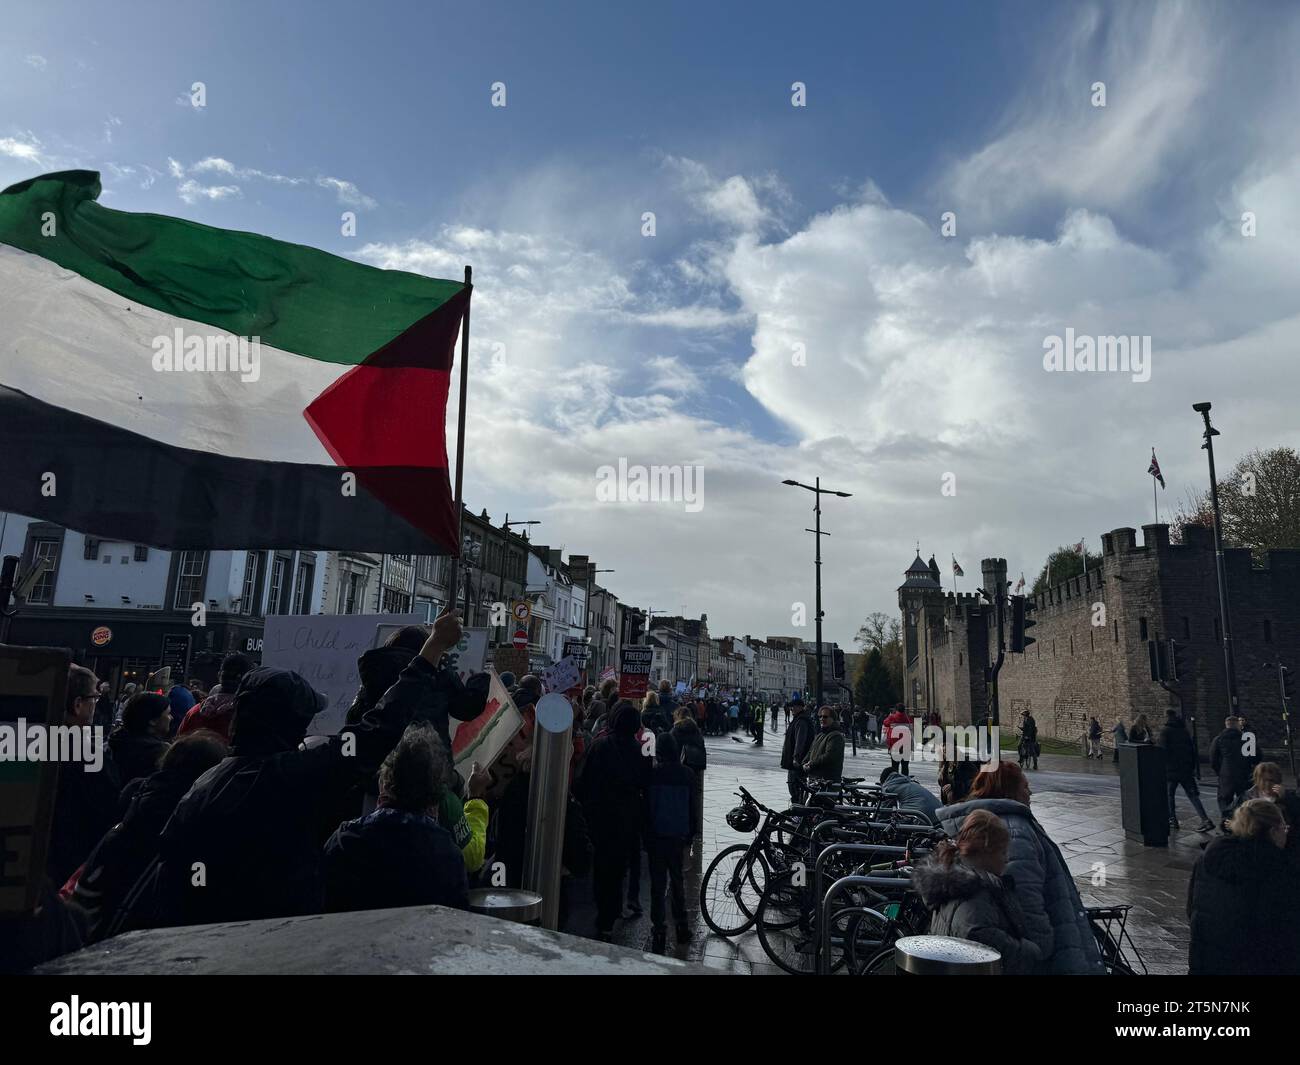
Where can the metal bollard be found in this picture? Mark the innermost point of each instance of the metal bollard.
(548, 798)
(945, 956)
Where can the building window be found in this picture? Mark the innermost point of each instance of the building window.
(141, 553)
(252, 562)
(1187, 628)
(352, 593)
(107, 559)
(190, 579)
(396, 602)
(1116, 624)
(302, 588)
(1268, 631)
(91, 552)
(1142, 628)
(276, 602)
(43, 590)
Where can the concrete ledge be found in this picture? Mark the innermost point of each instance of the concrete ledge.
(414, 940)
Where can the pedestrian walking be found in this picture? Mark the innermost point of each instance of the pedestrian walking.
(1180, 768)
(668, 829)
(1094, 738)
(1028, 750)
(1120, 735)
(1229, 761)
(897, 732)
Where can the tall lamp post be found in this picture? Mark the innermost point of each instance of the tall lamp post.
(1229, 664)
(505, 550)
(818, 491)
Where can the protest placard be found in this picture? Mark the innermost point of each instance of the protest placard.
(634, 676)
(324, 649)
(561, 677)
(486, 738)
(33, 681)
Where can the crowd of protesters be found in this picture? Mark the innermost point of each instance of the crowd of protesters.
(215, 806)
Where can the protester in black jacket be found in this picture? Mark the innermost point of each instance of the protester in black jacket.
(1242, 899)
(1180, 767)
(668, 828)
(799, 735)
(140, 741)
(398, 855)
(614, 779)
(243, 844)
(129, 846)
(1230, 763)
(85, 803)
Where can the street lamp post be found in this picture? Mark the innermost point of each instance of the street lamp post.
(505, 549)
(818, 491)
(1229, 664)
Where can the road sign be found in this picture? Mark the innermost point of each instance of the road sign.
(521, 638)
(522, 611)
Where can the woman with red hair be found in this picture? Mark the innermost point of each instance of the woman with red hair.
(1054, 916)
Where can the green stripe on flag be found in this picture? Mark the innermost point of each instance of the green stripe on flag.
(295, 298)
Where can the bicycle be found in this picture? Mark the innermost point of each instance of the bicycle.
(1110, 926)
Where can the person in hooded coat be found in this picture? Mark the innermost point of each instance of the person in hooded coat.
(217, 710)
(669, 826)
(140, 741)
(251, 825)
(129, 846)
(963, 884)
(612, 785)
(398, 855)
(909, 794)
(1054, 914)
(1241, 900)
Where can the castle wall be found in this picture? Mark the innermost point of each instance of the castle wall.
(1090, 656)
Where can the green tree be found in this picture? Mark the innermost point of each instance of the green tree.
(1062, 564)
(1259, 502)
(874, 686)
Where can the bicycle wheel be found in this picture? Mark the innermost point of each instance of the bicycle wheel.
(880, 964)
(729, 893)
(790, 939)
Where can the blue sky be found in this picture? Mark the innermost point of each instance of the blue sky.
(775, 225)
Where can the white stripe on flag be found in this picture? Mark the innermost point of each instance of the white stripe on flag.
(76, 345)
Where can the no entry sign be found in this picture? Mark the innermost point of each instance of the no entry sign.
(521, 639)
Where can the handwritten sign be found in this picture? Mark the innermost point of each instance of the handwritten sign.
(324, 649)
(562, 676)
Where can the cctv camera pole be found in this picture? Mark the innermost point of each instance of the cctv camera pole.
(1229, 663)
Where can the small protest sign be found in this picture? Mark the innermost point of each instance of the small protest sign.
(635, 675)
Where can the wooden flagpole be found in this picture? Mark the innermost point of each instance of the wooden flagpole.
(453, 585)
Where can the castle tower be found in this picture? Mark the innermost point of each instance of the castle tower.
(920, 600)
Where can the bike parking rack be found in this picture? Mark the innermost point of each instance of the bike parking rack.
(846, 848)
(823, 951)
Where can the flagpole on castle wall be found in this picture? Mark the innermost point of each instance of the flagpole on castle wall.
(452, 587)
(1154, 505)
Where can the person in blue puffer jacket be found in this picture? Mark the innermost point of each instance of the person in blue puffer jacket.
(670, 824)
(1054, 914)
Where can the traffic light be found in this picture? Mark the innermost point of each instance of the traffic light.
(1021, 608)
(839, 664)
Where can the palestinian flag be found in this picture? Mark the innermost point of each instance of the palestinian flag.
(191, 387)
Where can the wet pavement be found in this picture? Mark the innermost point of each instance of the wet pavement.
(1076, 800)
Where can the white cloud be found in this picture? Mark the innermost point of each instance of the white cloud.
(38, 62)
(27, 149)
(348, 194)
(191, 191)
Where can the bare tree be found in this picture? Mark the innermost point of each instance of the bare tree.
(1259, 501)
